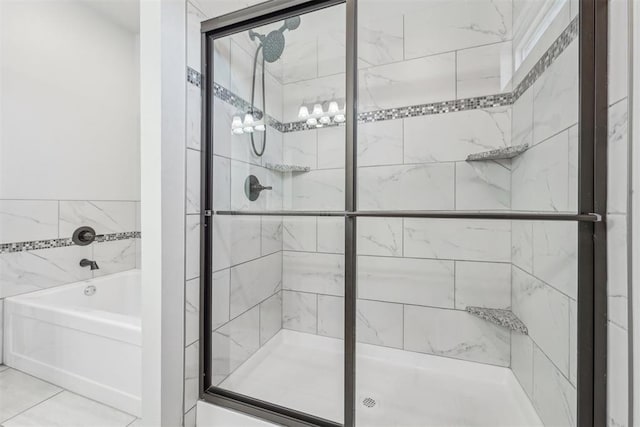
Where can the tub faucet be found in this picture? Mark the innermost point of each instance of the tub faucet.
(88, 263)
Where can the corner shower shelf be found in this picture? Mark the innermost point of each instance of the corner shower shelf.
(500, 317)
(286, 168)
(499, 154)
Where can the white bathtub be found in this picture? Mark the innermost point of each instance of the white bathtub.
(90, 345)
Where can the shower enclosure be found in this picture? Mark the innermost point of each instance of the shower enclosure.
(404, 212)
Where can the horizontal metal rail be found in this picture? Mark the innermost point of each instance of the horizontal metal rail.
(524, 216)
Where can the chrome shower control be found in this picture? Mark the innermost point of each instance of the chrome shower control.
(253, 188)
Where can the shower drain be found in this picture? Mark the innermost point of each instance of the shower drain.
(369, 402)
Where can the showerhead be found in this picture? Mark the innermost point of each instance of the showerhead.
(273, 43)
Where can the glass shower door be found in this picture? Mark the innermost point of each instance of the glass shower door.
(278, 268)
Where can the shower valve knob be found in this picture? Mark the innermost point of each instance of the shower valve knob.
(253, 188)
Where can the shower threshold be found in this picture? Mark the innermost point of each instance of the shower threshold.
(394, 387)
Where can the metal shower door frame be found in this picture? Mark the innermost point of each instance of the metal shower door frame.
(591, 218)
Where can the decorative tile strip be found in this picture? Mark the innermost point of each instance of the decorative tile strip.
(555, 50)
(500, 317)
(194, 77)
(499, 154)
(480, 102)
(287, 168)
(34, 245)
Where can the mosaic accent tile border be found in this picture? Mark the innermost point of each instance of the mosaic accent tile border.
(555, 50)
(34, 245)
(194, 77)
(481, 102)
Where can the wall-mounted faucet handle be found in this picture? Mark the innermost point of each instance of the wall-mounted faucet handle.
(253, 188)
(84, 236)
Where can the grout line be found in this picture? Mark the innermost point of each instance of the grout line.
(37, 404)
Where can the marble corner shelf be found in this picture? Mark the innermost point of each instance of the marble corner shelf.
(499, 154)
(500, 317)
(286, 168)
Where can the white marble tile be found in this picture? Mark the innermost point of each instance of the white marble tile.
(192, 311)
(222, 61)
(300, 148)
(300, 56)
(380, 143)
(573, 342)
(317, 190)
(104, 217)
(442, 26)
(194, 18)
(299, 234)
(380, 33)
(522, 245)
(483, 284)
(189, 418)
(270, 317)
(484, 70)
(20, 392)
(574, 176)
(220, 298)
(271, 234)
(555, 96)
(222, 137)
(380, 236)
(331, 316)
(310, 91)
(331, 38)
(618, 378)
(407, 187)
(234, 343)
(254, 281)
(70, 410)
(379, 323)
(299, 311)
(522, 119)
(428, 330)
(482, 186)
(553, 395)
(406, 280)
(192, 246)
(245, 238)
(313, 272)
(471, 240)
(221, 183)
(555, 255)
(191, 375)
(331, 235)
(2, 367)
(24, 220)
(222, 234)
(193, 181)
(440, 138)
(274, 153)
(618, 50)
(527, 16)
(194, 116)
(394, 85)
(540, 176)
(30, 271)
(331, 147)
(543, 309)
(617, 274)
(522, 361)
(618, 155)
(114, 257)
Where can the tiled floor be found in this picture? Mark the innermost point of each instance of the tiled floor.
(394, 387)
(28, 401)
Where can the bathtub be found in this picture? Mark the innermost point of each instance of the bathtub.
(84, 337)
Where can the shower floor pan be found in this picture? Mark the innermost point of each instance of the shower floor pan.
(394, 387)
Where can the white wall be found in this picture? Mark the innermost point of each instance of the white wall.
(69, 104)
